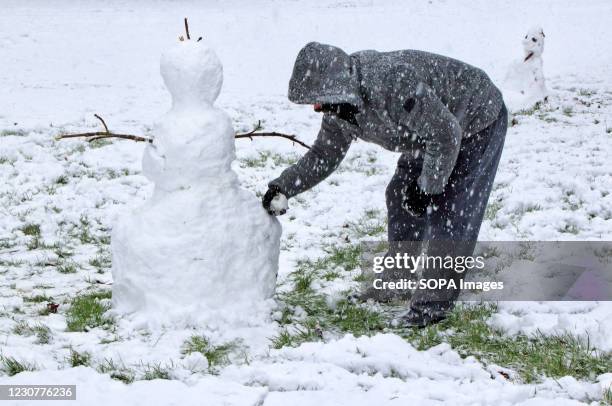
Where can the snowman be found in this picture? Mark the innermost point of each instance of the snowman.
(524, 84)
(201, 246)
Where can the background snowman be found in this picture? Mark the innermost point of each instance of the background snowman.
(524, 84)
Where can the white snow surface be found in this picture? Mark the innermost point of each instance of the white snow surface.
(201, 247)
(64, 61)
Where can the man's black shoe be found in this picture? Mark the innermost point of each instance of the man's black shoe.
(419, 319)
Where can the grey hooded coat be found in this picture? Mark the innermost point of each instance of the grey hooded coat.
(409, 101)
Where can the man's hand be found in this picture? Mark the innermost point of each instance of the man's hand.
(344, 111)
(275, 202)
(417, 201)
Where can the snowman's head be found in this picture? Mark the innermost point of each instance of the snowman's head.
(192, 73)
(533, 42)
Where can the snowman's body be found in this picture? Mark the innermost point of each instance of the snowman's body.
(525, 84)
(201, 243)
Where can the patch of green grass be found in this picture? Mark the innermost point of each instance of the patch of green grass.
(10, 262)
(371, 171)
(42, 332)
(606, 397)
(331, 275)
(15, 132)
(12, 366)
(283, 339)
(346, 257)
(155, 371)
(61, 180)
(570, 229)
(83, 231)
(547, 118)
(261, 160)
(37, 299)
(22, 328)
(80, 148)
(303, 281)
(310, 303)
(216, 355)
(31, 229)
(7, 243)
(125, 375)
(99, 143)
(344, 317)
(568, 111)
(34, 243)
(369, 225)
(307, 313)
(286, 316)
(101, 261)
(316, 315)
(492, 209)
(67, 267)
(298, 335)
(116, 371)
(87, 311)
(62, 252)
(533, 357)
(530, 111)
(6, 160)
(358, 319)
(570, 200)
(362, 277)
(586, 92)
(103, 239)
(77, 359)
(532, 208)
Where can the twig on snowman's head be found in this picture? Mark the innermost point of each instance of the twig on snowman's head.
(187, 29)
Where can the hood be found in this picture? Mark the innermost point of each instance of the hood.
(324, 74)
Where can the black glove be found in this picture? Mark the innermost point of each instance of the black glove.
(417, 201)
(344, 111)
(274, 201)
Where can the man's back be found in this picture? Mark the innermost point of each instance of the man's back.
(465, 90)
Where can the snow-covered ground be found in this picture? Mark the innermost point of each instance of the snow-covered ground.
(64, 61)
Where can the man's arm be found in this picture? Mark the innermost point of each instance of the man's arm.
(420, 110)
(318, 163)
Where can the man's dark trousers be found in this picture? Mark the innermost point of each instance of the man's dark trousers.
(450, 221)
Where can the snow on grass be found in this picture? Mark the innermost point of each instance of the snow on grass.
(56, 250)
(58, 201)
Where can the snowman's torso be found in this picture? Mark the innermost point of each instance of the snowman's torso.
(527, 76)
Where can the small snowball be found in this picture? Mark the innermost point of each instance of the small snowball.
(279, 203)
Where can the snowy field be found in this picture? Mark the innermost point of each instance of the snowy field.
(64, 61)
